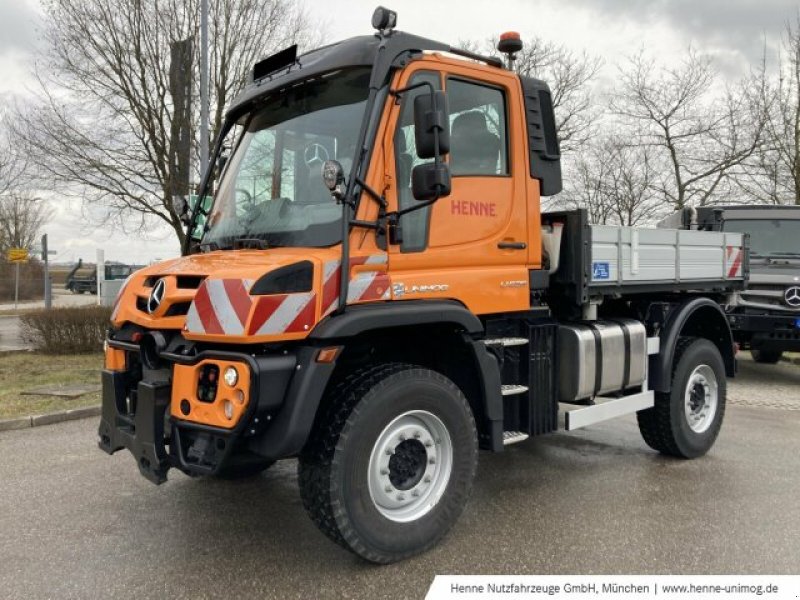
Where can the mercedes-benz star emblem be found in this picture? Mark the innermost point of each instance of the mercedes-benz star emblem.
(156, 296)
(314, 153)
(792, 297)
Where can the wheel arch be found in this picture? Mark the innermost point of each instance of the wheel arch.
(698, 317)
(440, 335)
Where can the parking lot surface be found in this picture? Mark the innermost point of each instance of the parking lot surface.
(77, 523)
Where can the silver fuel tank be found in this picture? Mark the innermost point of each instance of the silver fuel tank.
(600, 357)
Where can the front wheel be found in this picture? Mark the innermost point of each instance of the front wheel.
(766, 357)
(686, 421)
(390, 464)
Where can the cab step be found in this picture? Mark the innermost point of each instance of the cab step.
(506, 341)
(511, 390)
(513, 437)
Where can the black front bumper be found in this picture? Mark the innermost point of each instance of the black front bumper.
(157, 441)
(136, 416)
(141, 432)
(766, 331)
(285, 391)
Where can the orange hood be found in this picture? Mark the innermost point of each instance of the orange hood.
(207, 296)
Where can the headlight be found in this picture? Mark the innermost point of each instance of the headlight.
(231, 376)
(228, 408)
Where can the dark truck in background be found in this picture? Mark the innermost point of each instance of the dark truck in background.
(79, 283)
(764, 317)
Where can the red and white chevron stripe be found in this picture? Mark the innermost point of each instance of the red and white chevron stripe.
(283, 313)
(223, 306)
(364, 287)
(733, 261)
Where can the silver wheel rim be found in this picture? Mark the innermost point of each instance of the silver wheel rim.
(410, 466)
(700, 398)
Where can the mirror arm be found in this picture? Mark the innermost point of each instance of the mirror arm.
(366, 224)
(401, 91)
(372, 193)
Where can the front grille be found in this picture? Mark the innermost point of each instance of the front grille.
(189, 282)
(178, 309)
(182, 282)
(766, 296)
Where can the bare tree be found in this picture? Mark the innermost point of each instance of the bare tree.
(12, 167)
(586, 186)
(105, 128)
(613, 181)
(569, 76)
(700, 133)
(772, 174)
(22, 216)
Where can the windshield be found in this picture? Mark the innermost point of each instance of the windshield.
(271, 190)
(769, 237)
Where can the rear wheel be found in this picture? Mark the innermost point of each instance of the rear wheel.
(390, 464)
(685, 422)
(767, 357)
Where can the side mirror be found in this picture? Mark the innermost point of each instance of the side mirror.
(333, 177)
(430, 181)
(431, 118)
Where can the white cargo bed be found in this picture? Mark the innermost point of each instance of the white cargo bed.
(624, 256)
(606, 260)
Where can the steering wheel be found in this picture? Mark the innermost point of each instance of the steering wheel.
(247, 204)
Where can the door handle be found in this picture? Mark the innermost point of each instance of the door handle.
(512, 245)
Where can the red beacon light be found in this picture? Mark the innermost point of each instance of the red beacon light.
(510, 43)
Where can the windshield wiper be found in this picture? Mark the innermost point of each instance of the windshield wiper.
(249, 242)
(211, 246)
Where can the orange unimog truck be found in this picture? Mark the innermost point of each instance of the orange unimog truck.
(369, 286)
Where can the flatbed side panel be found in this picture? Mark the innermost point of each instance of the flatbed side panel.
(630, 256)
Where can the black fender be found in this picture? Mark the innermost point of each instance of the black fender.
(291, 426)
(365, 317)
(698, 317)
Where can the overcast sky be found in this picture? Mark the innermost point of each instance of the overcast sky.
(732, 31)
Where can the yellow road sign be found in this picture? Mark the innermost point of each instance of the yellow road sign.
(17, 254)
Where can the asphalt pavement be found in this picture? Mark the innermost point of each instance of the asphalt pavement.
(76, 523)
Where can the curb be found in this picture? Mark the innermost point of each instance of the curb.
(50, 418)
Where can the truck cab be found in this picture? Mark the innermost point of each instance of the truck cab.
(765, 317)
(369, 285)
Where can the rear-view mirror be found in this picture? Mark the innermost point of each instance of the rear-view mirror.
(431, 118)
(430, 181)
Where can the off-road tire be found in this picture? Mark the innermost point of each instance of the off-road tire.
(333, 467)
(766, 357)
(664, 427)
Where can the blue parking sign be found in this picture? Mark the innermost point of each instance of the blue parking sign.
(601, 270)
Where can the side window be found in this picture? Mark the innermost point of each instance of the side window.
(414, 225)
(478, 137)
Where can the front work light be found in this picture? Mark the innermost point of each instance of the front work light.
(231, 376)
(384, 19)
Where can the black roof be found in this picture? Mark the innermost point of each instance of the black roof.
(749, 207)
(396, 49)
